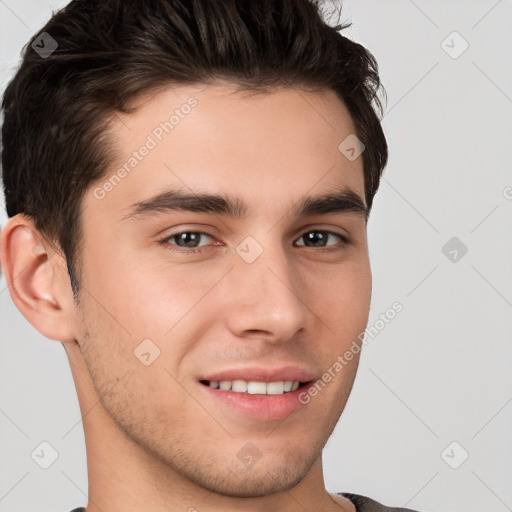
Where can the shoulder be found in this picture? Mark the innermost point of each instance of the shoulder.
(364, 504)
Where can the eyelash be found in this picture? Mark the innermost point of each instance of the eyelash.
(168, 246)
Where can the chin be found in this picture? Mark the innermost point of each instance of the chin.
(257, 481)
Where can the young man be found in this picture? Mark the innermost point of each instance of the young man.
(189, 184)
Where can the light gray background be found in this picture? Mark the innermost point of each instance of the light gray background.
(440, 371)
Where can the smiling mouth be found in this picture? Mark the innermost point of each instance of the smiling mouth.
(255, 387)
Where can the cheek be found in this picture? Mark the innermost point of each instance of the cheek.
(158, 298)
(144, 296)
(342, 297)
(174, 297)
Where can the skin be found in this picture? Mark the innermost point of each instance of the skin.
(154, 441)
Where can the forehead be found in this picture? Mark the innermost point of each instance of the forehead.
(270, 148)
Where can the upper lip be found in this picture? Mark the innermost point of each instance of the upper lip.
(262, 374)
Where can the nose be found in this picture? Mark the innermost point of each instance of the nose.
(267, 298)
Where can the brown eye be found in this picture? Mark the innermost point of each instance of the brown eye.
(187, 238)
(319, 238)
(185, 241)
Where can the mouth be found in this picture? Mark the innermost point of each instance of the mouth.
(252, 387)
(255, 400)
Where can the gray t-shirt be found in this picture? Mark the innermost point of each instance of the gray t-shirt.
(362, 504)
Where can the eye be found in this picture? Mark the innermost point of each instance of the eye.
(318, 238)
(189, 241)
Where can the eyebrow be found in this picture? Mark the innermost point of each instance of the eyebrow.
(343, 200)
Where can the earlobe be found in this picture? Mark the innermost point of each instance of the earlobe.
(38, 282)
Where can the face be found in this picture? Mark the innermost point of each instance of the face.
(179, 293)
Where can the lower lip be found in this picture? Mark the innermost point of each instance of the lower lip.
(261, 407)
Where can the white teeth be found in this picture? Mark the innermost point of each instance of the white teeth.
(255, 387)
(240, 386)
(225, 385)
(275, 388)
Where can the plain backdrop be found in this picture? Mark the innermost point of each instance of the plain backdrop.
(429, 421)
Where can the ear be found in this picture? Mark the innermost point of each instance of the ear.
(37, 278)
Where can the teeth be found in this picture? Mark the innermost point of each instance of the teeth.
(275, 388)
(240, 386)
(256, 388)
